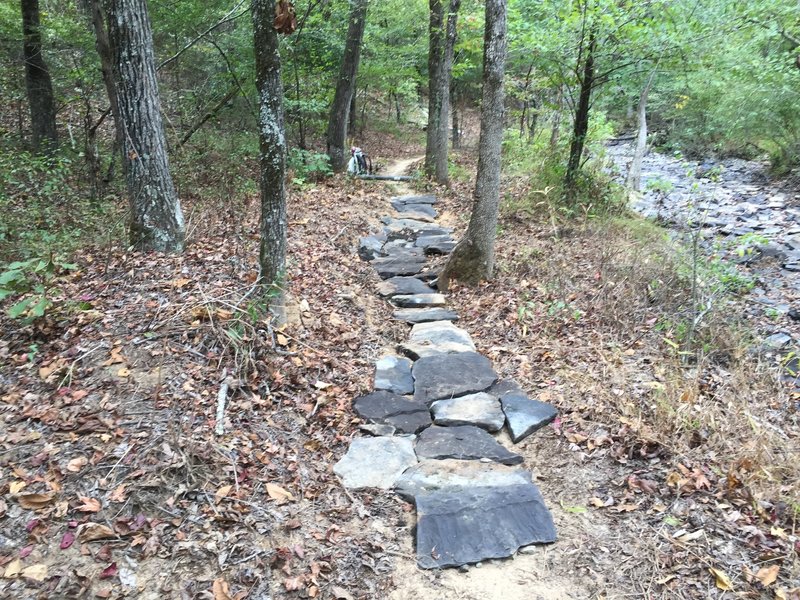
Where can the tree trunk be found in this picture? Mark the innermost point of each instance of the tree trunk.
(440, 66)
(37, 81)
(106, 64)
(456, 131)
(555, 131)
(345, 87)
(156, 217)
(473, 258)
(351, 122)
(634, 179)
(272, 254)
(581, 125)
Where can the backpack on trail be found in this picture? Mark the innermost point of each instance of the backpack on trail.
(360, 163)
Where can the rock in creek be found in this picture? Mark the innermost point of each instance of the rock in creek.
(449, 375)
(424, 315)
(470, 525)
(393, 373)
(464, 442)
(481, 410)
(375, 462)
(405, 415)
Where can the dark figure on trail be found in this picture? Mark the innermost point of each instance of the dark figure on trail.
(360, 163)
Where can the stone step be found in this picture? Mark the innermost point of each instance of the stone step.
(481, 410)
(375, 462)
(403, 285)
(464, 442)
(444, 376)
(393, 373)
(388, 408)
(424, 315)
(418, 300)
(413, 199)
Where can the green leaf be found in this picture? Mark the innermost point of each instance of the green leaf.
(41, 306)
(19, 308)
(7, 277)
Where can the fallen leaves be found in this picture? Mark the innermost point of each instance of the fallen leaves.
(37, 572)
(278, 494)
(768, 575)
(36, 501)
(721, 579)
(89, 532)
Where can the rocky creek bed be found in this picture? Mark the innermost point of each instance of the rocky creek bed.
(743, 216)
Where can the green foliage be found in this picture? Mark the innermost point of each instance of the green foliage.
(33, 283)
(309, 166)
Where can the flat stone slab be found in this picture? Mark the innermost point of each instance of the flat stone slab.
(414, 207)
(463, 442)
(416, 351)
(481, 410)
(424, 315)
(387, 408)
(393, 373)
(433, 475)
(525, 416)
(392, 266)
(419, 300)
(461, 527)
(403, 285)
(449, 375)
(439, 337)
(375, 462)
(418, 216)
(413, 199)
(435, 244)
(370, 247)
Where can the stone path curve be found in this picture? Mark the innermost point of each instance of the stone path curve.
(434, 408)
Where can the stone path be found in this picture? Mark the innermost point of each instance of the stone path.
(435, 408)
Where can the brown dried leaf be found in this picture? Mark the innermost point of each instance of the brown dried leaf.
(91, 505)
(89, 532)
(220, 589)
(768, 575)
(278, 494)
(721, 579)
(35, 501)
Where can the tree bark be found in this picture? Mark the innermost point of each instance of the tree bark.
(581, 124)
(634, 179)
(272, 140)
(555, 131)
(440, 66)
(156, 217)
(345, 87)
(472, 259)
(41, 101)
(106, 64)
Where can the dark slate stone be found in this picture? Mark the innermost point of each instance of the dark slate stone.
(403, 285)
(393, 373)
(776, 341)
(377, 429)
(413, 199)
(392, 266)
(438, 244)
(424, 315)
(464, 442)
(524, 416)
(375, 462)
(406, 416)
(370, 247)
(467, 526)
(419, 300)
(449, 375)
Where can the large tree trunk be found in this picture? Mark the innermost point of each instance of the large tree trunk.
(634, 179)
(473, 258)
(156, 217)
(37, 81)
(272, 254)
(581, 123)
(345, 87)
(440, 66)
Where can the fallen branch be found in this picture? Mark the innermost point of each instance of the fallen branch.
(222, 395)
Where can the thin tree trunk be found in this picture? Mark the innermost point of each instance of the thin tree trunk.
(41, 101)
(440, 66)
(106, 64)
(634, 179)
(345, 87)
(351, 123)
(581, 125)
(555, 131)
(473, 258)
(272, 254)
(156, 217)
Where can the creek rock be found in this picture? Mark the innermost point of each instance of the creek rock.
(523, 415)
(463, 442)
(375, 462)
(382, 407)
(424, 315)
(418, 300)
(443, 376)
(397, 286)
(433, 475)
(467, 526)
(393, 373)
(481, 410)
